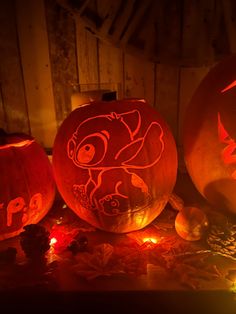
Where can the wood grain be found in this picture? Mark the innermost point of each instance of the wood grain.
(107, 11)
(87, 56)
(13, 108)
(190, 78)
(122, 20)
(139, 78)
(62, 50)
(33, 43)
(135, 21)
(229, 11)
(200, 20)
(3, 120)
(166, 87)
(111, 67)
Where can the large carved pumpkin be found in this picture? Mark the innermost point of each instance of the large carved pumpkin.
(210, 136)
(115, 164)
(27, 187)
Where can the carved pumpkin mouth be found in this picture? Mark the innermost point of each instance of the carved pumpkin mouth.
(228, 153)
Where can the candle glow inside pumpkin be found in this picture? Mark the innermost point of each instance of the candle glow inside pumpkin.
(115, 164)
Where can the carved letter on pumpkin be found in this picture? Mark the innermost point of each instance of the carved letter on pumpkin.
(14, 206)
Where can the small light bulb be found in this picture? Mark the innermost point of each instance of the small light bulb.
(150, 240)
(53, 241)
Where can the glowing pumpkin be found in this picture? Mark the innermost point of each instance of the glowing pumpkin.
(210, 134)
(115, 164)
(27, 187)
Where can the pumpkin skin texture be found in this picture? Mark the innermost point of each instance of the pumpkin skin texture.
(115, 164)
(27, 186)
(210, 134)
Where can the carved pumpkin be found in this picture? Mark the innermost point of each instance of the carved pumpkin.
(115, 164)
(210, 134)
(27, 187)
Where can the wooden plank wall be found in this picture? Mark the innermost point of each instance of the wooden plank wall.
(13, 107)
(46, 52)
(36, 69)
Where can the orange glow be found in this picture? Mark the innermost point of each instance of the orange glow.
(233, 288)
(231, 85)
(61, 237)
(149, 243)
(18, 144)
(53, 241)
(228, 153)
(150, 240)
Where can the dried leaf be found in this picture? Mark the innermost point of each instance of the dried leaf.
(186, 276)
(107, 260)
(92, 265)
(192, 269)
(133, 263)
(102, 254)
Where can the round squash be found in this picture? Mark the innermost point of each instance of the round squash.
(27, 186)
(210, 134)
(115, 164)
(191, 223)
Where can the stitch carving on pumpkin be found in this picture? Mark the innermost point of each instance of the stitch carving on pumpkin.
(114, 166)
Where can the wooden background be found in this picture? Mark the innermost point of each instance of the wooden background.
(44, 51)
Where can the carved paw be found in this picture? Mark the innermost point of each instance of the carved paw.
(80, 194)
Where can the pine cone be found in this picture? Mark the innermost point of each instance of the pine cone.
(222, 239)
(35, 241)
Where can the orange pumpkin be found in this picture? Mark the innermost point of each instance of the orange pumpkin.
(210, 136)
(115, 164)
(27, 187)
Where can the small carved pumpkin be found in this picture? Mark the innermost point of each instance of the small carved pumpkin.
(210, 136)
(27, 187)
(115, 164)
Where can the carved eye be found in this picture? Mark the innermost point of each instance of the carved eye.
(91, 149)
(86, 153)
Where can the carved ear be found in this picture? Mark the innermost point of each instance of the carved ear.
(132, 119)
(71, 145)
(129, 151)
(145, 151)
